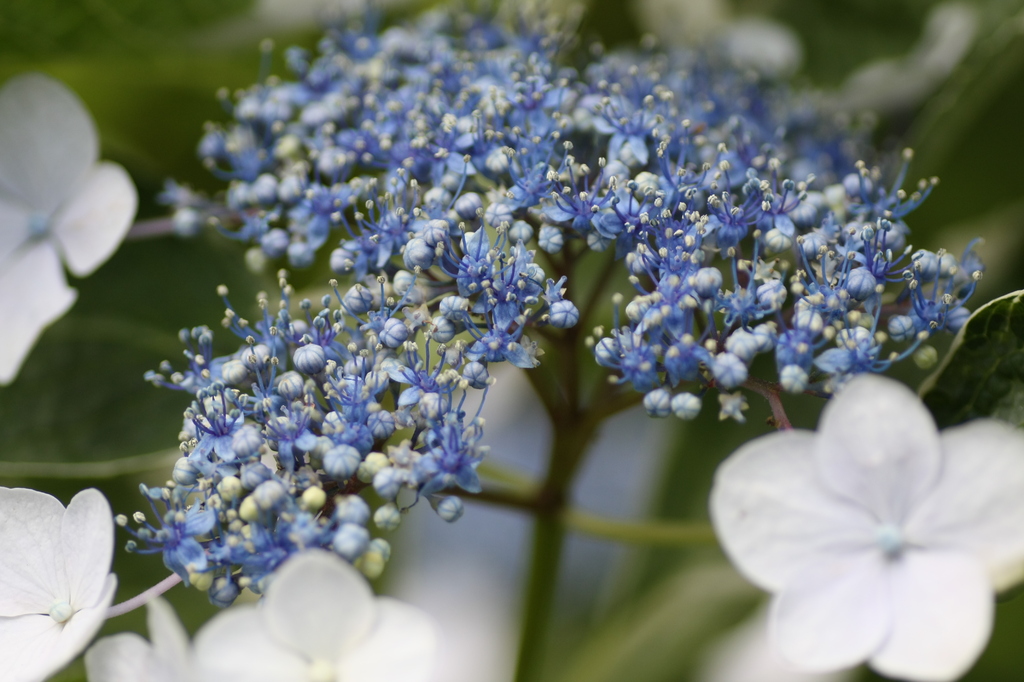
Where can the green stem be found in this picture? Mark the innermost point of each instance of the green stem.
(604, 277)
(575, 419)
(572, 434)
(548, 538)
(640, 533)
(571, 437)
(504, 498)
(136, 464)
(507, 477)
(649, 532)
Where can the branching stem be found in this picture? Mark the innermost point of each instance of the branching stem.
(147, 229)
(661, 533)
(771, 393)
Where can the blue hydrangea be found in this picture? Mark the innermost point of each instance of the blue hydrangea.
(457, 172)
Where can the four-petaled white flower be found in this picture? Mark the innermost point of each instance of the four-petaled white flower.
(56, 202)
(744, 654)
(319, 622)
(55, 579)
(881, 539)
(127, 657)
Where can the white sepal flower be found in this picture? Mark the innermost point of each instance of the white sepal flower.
(881, 539)
(56, 203)
(127, 657)
(319, 622)
(55, 579)
(744, 654)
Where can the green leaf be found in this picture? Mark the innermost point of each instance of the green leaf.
(970, 124)
(840, 35)
(80, 397)
(990, 71)
(983, 373)
(45, 27)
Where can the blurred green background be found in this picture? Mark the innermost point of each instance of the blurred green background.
(149, 71)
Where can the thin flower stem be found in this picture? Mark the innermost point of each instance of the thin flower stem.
(656, 533)
(594, 298)
(662, 533)
(136, 464)
(771, 393)
(503, 498)
(145, 597)
(155, 227)
(507, 476)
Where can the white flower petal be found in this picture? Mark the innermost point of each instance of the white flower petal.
(87, 534)
(400, 648)
(319, 604)
(878, 446)
(942, 617)
(835, 614)
(33, 293)
(91, 224)
(977, 504)
(236, 646)
(744, 654)
(773, 515)
(31, 557)
(26, 644)
(14, 227)
(47, 140)
(76, 634)
(125, 657)
(170, 641)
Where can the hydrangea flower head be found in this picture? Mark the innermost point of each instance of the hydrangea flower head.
(881, 539)
(57, 203)
(319, 622)
(55, 579)
(456, 176)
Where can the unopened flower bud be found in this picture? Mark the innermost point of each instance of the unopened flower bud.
(309, 359)
(450, 508)
(373, 463)
(387, 517)
(686, 406)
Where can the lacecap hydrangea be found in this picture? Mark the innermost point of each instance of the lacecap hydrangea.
(453, 171)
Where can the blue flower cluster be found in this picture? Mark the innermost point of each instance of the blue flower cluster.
(824, 280)
(284, 433)
(446, 165)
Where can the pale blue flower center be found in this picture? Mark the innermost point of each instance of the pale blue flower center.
(61, 611)
(38, 224)
(890, 540)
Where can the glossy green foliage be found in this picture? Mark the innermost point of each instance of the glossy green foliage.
(983, 374)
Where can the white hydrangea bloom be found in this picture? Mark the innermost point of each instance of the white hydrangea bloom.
(744, 654)
(127, 657)
(56, 203)
(881, 539)
(55, 579)
(319, 622)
